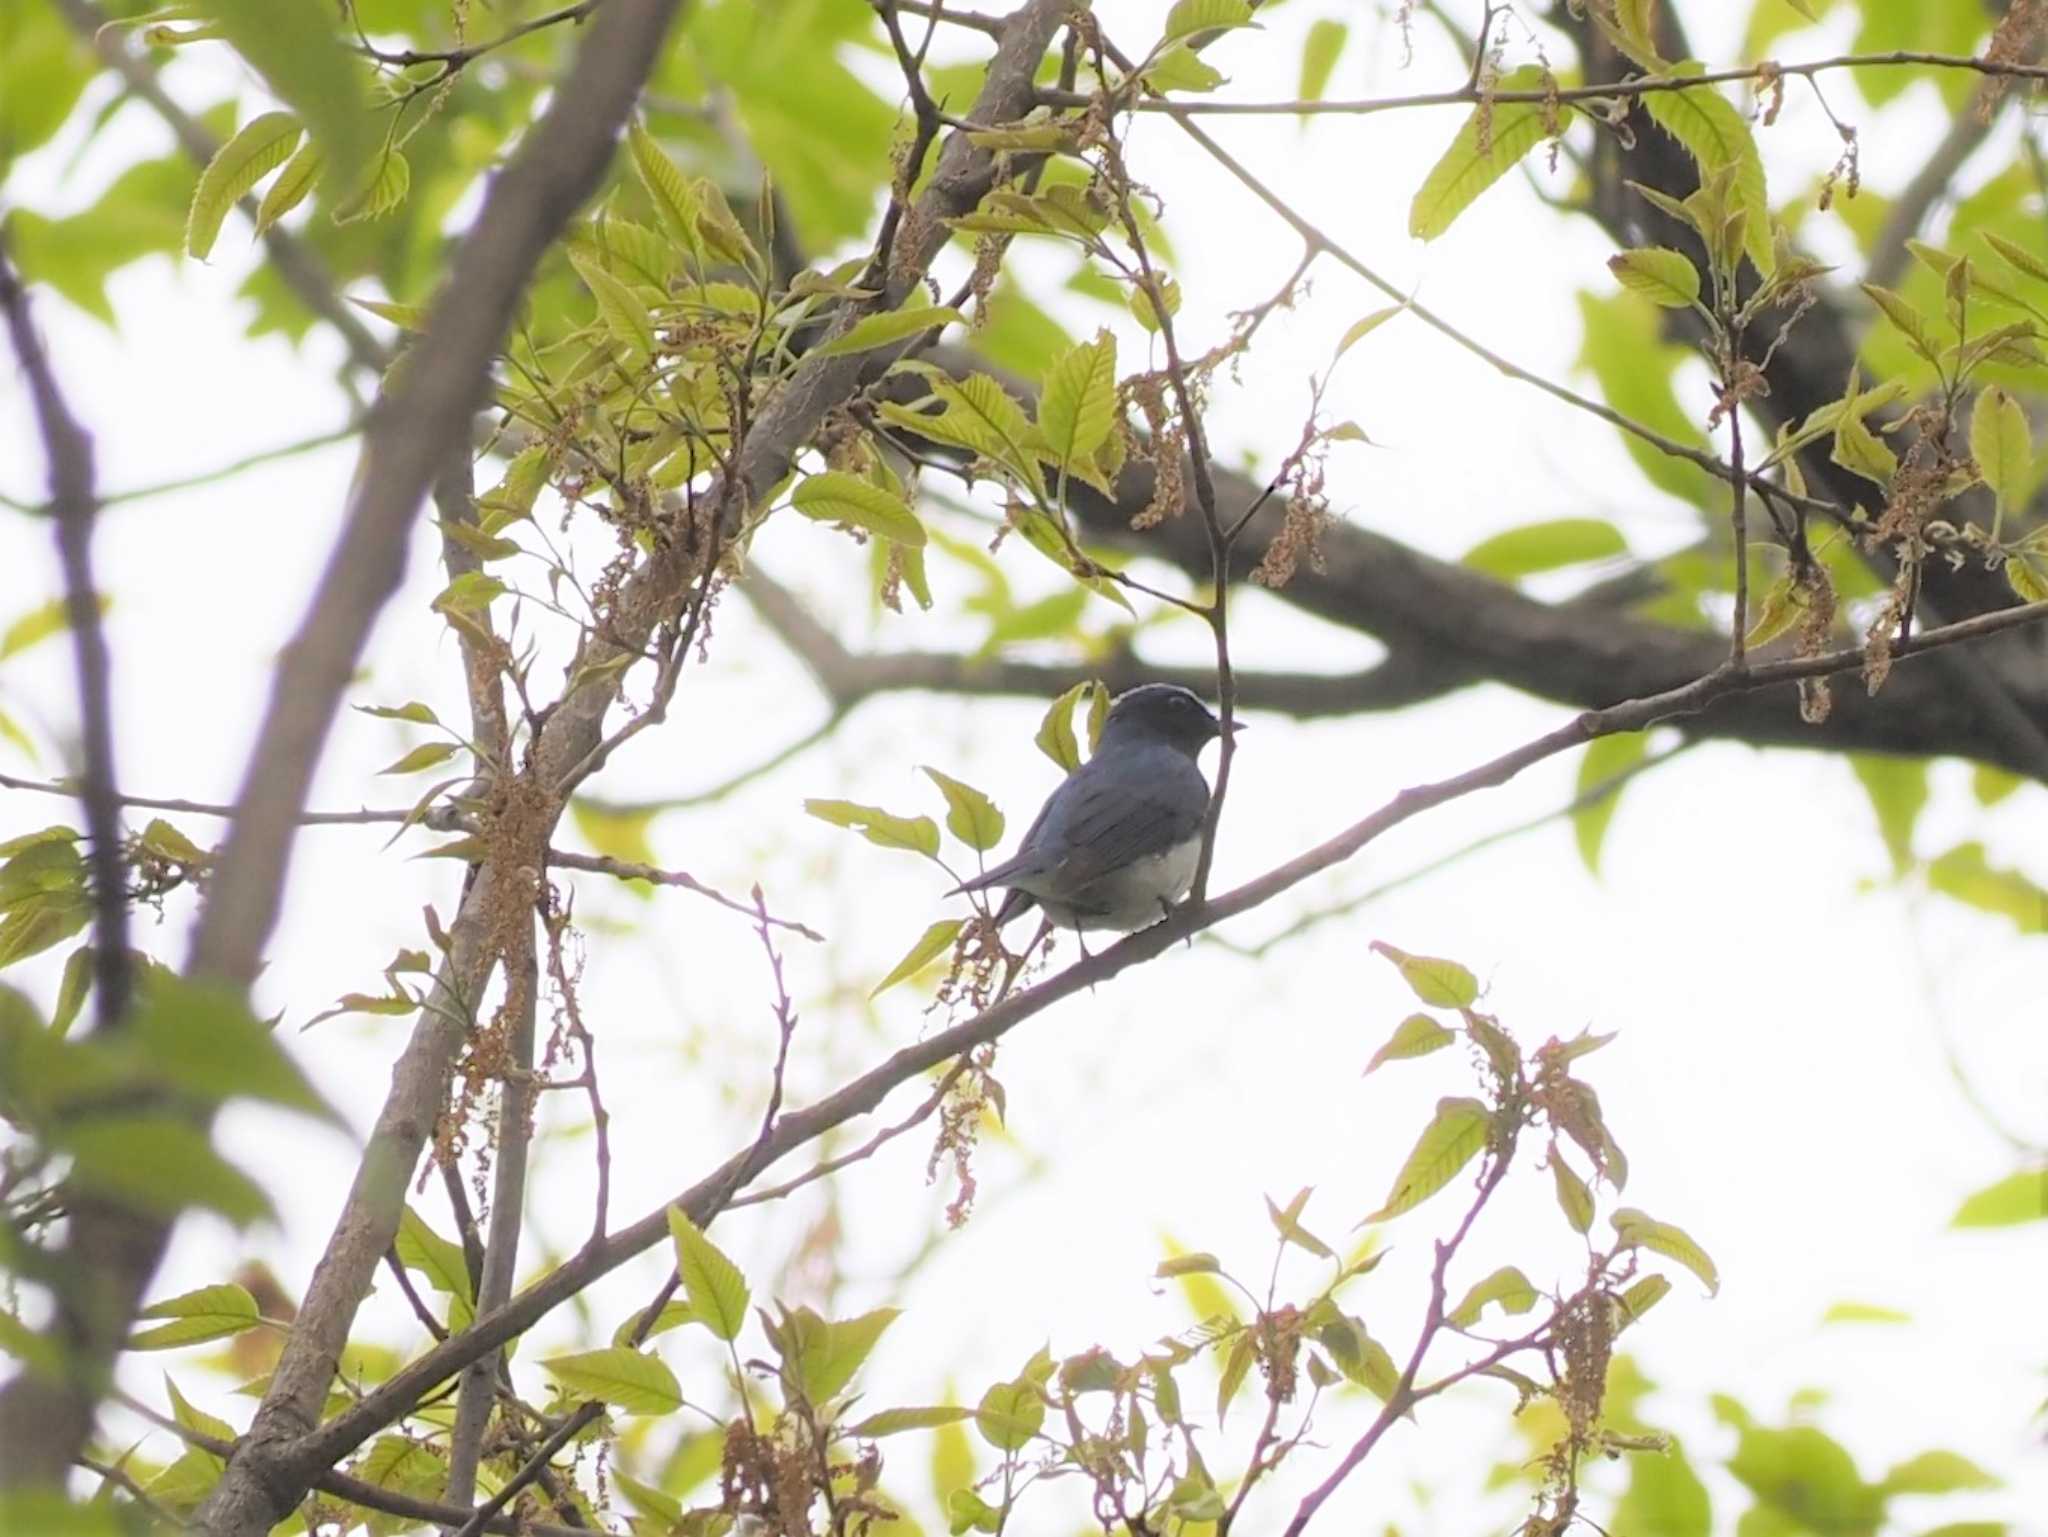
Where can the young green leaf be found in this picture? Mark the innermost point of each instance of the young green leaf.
(918, 834)
(716, 1290)
(1319, 53)
(836, 497)
(623, 1378)
(1638, 1230)
(1361, 329)
(2017, 1198)
(1056, 737)
(1287, 1222)
(260, 146)
(1438, 983)
(1715, 134)
(386, 191)
(2002, 445)
(936, 941)
(1606, 758)
(1077, 407)
(668, 189)
(1010, 1414)
(1507, 1286)
(1494, 138)
(425, 756)
(872, 331)
(624, 316)
(1660, 275)
(1191, 18)
(1574, 1195)
(1452, 1139)
(210, 1313)
(1416, 1036)
(894, 1421)
(1641, 1297)
(1546, 546)
(292, 186)
(970, 816)
(1938, 1472)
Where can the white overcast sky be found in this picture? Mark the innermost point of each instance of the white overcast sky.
(1782, 1081)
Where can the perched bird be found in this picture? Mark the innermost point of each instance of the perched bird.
(1117, 844)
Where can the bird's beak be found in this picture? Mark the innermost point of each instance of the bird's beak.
(1232, 729)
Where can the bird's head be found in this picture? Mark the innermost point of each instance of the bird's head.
(1164, 712)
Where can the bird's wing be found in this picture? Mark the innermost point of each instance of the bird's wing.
(1101, 823)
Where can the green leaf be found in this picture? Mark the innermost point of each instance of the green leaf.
(836, 497)
(262, 144)
(1965, 874)
(1638, 1230)
(303, 61)
(293, 185)
(668, 189)
(72, 989)
(1077, 407)
(920, 835)
(936, 941)
(970, 816)
(872, 331)
(625, 1379)
(1898, 792)
(1606, 757)
(1863, 1313)
(2002, 445)
(1416, 1036)
(36, 626)
(1493, 139)
(1360, 1357)
(1188, 1264)
(624, 316)
(386, 192)
(1361, 329)
(193, 1418)
(892, 1422)
(1507, 1286)
(210, 1313)
(1806, 1475)
(1908, 321)
(1438, 983)
(425, 756)
(1056, 737)
(1450, 1141)
(1574, 1195)
(160, 1164)
(1641, 1296)
(2017, 1198)
(200, 1038)
(44, 67)
(425, 1252)
(1010, 1414)
(1665, 1498)
(1663, 276)
(716, 1289)
(1287, 1222)
(470, 593)
(1189, 18)
(1545, 546)
(820, 1356)
(1319, 53)
(1715, 134)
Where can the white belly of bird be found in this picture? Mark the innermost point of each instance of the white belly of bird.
(1137, 896)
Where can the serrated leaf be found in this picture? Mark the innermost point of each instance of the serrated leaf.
(1452, 1139)
(970, 815)
(936, 941)
(425, 756)
(1715, 134)
(1660, 275)
(1638, 1230)
(716, 1290)
(920, 835)
(209, 1313)
(387, 190)
(1416, 1036)
(623, 1378)
(1509, 129)
(1077, 407)
(836, 497)
(1507, 1287)
(1574, 1195)
(621, 310)
(872, 331)
(261, 145)
(668, 189)
(1440, 984)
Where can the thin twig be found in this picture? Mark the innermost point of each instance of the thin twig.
(633, 870)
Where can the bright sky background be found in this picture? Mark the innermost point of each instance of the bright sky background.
(1782, 1081)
